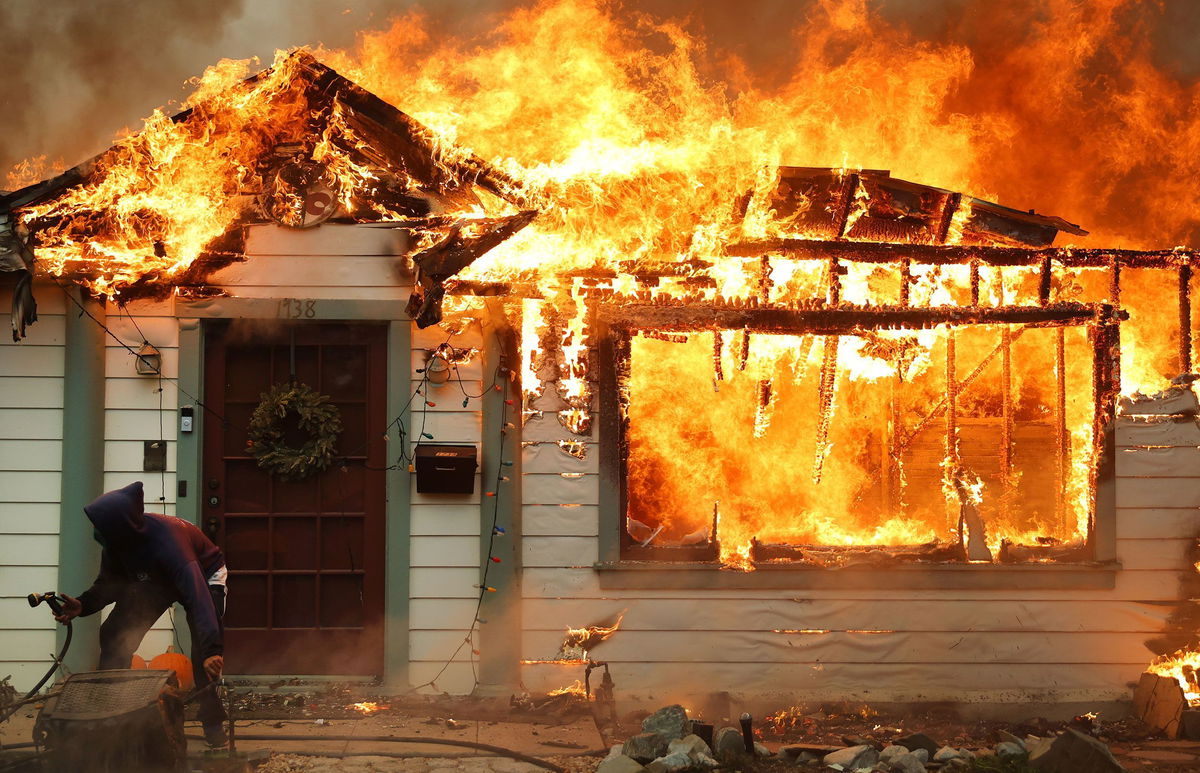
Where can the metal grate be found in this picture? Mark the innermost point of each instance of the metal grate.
(103, 694)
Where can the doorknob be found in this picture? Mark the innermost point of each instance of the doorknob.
(214, 500)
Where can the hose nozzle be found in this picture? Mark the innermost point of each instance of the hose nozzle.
(51, 599)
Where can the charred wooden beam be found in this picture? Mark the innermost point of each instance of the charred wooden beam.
(1006, 414)
(1045, 275)
(937, 254)
(824, 320)
(1185, 318)
(849, 189)
(1061, 436)
(489, 289)
(413, 141)
(951, 207)
(661, 268)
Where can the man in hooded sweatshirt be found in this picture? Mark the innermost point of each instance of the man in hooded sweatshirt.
(148, 562)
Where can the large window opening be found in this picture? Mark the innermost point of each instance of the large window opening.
(826, 446)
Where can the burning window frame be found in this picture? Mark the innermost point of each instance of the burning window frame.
(617, 324)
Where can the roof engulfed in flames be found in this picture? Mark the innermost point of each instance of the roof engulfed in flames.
(247, 147)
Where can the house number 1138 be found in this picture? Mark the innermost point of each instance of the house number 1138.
(297, 308)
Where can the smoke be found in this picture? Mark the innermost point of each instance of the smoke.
(78, 72)
(1077, 107)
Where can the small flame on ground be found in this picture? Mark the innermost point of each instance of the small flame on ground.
(575, 688)
(368, 707)
(1181, 667)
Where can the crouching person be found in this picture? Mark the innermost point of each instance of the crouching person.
(148, 562)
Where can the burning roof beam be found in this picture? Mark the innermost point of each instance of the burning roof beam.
(936, 254)
(844, 319)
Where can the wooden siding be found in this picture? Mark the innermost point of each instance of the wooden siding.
(31, 381)
(993, 646)
(445, 527)
(132, 416)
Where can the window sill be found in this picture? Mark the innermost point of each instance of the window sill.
(646, 575)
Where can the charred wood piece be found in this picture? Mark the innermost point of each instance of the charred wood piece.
(844, 320)
(456, 250)
(936, 254)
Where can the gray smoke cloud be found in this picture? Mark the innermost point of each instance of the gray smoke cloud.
(78, 71)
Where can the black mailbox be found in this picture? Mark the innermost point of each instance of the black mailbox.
(446, 469)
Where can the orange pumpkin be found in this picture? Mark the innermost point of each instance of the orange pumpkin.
(137, 662)
(171, 660)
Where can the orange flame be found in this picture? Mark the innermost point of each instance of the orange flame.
(643, 148)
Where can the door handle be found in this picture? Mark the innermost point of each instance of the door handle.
(212, 525)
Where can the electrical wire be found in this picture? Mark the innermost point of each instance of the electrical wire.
(468, 640)
(405, 458)
(83, 309)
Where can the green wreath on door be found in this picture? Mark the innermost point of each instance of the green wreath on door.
(315, 416)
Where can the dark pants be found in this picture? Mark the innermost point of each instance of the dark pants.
(136, 610)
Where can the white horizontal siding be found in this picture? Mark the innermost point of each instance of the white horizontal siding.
(31, 381)
(30, 455)
(971, 645)
(445, 529)
(29, 518)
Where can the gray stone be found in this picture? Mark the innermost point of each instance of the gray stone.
(921, 754)
(705, 761)
(691, 745)
(1074, 752)
(728, 744)
(891, 752)
(906, 763)
(919, 741)
(947, 753)
(617, 749)
(619, 764)
(644, 747)
(762, 751)
(1038, 746)
(1009, 749)
(670, 722)
(853, 757)
(1004, 735)
(957, 765)
(670, 763)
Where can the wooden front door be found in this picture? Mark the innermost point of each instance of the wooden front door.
(306, 556)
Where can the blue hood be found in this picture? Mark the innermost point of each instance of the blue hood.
(118, 515)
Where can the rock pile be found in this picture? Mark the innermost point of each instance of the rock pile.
(668, 745)
(1071, 752)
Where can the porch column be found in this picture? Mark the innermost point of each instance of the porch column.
(500, 635)
(82, 466)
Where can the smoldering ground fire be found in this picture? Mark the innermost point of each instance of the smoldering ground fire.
(789, 335)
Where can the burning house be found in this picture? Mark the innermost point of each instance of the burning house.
(866, 440)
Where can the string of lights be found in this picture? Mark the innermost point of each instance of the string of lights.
(501, 382)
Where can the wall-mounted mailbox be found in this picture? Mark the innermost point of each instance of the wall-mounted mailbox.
(446, 469)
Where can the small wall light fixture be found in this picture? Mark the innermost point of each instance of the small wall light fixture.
(149, 360)
(437, 370)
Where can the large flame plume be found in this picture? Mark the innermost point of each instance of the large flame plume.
(640, 145)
